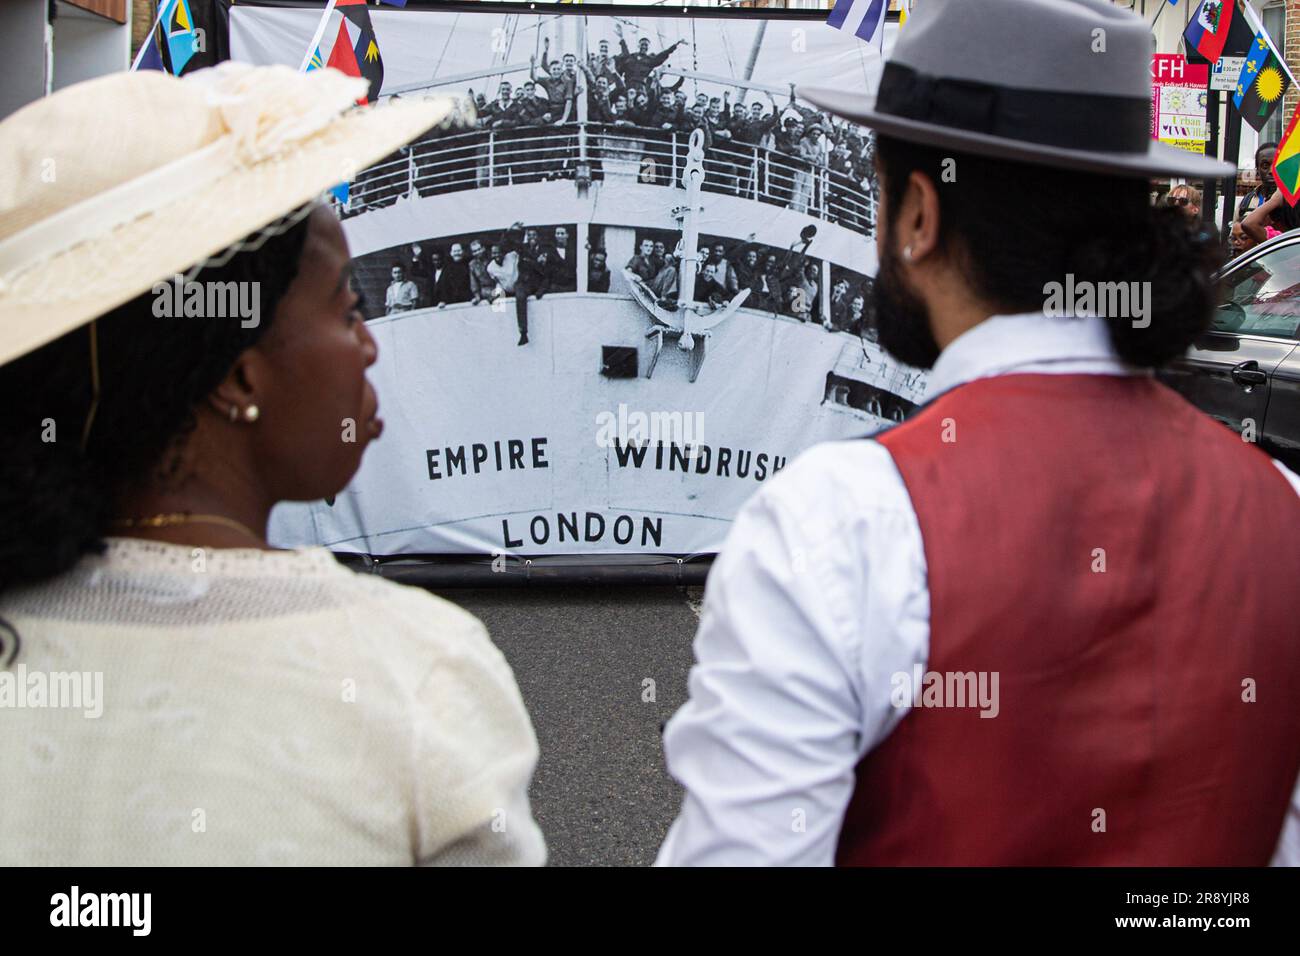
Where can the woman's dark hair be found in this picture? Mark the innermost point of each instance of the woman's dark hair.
(56, 498)
(1014, 228)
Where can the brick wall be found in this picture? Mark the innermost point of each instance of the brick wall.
(142, 14)
(1291, 51)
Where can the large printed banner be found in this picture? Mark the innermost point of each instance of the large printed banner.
(634, 290)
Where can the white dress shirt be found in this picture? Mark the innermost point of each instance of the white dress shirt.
(817, 599)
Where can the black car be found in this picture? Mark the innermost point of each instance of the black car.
(1246, 370)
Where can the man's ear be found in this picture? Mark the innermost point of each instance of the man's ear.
(917, 225)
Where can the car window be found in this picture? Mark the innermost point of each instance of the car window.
(1262, 296)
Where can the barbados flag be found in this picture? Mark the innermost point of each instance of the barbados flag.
(1286, 164)
(867, 17)
(1207, 31)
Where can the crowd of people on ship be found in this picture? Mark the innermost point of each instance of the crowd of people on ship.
(531, 261)
(786, 153)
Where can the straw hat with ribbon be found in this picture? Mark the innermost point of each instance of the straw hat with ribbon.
(112, 185)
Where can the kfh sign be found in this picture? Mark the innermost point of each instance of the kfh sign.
(1178, 101)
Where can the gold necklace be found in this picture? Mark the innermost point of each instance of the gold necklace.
(181, 517)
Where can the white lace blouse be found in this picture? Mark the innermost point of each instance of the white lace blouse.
(255, 707)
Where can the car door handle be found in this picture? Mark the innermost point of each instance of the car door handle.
(1248, 375)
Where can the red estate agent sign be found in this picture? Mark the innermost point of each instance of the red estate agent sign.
(1178, 101)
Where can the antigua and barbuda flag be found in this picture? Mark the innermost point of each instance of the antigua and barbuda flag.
(1286, 164)
(1207, 31)
(365, 59)
(866, 18)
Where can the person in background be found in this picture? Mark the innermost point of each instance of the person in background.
(598, 271)
(858, 323)
(1238, 241)
(403, 294)
(644, 264)
(723, 269)
(838, 320)
(657, 259)
(453, 281)
(319, 717)
(1266, 186)
(749, 275)
(1186, 198)
(564, 271)
(665, 283)
(770, 295)
(534, 275)
(1274, 217)
(482, 287)
(636, 67)
(503, 267)
(417, 269)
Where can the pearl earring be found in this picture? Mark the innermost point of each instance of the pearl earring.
(251, 413)
(907, 254)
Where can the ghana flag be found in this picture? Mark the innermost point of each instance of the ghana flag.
(1286, 164)
(1263, 82)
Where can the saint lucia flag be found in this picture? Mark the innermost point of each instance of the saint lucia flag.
(1286, 164)
(178, 25)
(865, 17)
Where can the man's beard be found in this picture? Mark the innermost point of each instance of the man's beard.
(902, 318)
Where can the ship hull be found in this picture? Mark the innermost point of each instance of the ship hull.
(494, 448)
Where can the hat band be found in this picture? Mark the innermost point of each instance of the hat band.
(1082, 121)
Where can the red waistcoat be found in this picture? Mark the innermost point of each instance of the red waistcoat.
(1148, 713)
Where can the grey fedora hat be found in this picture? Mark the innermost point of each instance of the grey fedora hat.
(1062, 83)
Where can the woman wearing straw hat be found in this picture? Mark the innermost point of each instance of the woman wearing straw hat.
(174, 689)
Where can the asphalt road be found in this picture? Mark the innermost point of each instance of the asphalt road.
(582, 657)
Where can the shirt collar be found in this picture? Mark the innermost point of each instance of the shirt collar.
(1029, 342)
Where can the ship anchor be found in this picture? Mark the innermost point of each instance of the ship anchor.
(690, 322)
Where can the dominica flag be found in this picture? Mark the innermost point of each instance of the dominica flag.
(1263, 82)
(1207, 30)
(1286, 164)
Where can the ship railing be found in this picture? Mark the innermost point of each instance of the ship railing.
(610, 153)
